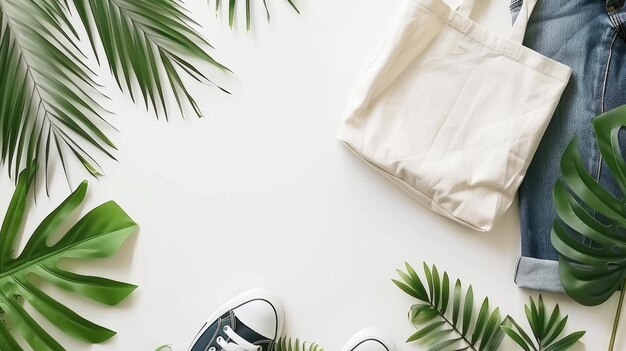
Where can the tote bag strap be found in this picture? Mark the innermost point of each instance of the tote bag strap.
(519, 27)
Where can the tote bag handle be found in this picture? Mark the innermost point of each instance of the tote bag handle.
(519, 27)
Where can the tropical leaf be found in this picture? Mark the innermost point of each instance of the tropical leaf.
(590, 233)
(546, 329)
(443, 329)
(148, 43)
(48, 100)
(98, 234)
(286, 344)
(232, 7)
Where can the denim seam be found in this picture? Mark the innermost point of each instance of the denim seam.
(602, 107)
(606, 73)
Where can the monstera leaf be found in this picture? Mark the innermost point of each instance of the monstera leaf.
(590, 235)
(232, 4)
(98, 234)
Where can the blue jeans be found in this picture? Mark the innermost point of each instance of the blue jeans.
(589, 36)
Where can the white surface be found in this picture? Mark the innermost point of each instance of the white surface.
(260, 194)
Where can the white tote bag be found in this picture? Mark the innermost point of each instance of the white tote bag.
(453, 113)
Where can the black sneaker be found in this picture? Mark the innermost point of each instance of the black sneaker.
(251, 321)
(369, 340)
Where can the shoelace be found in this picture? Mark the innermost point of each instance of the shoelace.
(237, 343)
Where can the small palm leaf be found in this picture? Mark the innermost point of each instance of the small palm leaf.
(98, 234)
(284, 344)
(47, 94)
(592, 262)
(148, 42)
(444, 330)
(545, 329)
(232, 5)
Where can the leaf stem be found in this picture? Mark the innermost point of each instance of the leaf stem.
(453, 327)
(618, 314)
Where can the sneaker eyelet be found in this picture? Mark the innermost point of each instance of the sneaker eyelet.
(220, 339)
(226, 328)
(212, 348)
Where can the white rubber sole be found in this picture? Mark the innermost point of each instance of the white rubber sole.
(255, 294)
(368, 334)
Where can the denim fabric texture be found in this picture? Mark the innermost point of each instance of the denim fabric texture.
(590, 37)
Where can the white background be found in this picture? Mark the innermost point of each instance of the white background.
(260, 194)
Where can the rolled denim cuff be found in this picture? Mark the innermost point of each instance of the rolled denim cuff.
(536, 274)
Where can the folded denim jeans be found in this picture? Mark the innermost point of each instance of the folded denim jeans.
(589, 36)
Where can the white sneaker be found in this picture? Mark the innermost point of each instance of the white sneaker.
(251, 321)
(370, 339)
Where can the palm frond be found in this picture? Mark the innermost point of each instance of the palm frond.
(546, 329)
(232, 8)
(287, 344)
(47, 102)
(459, 329)
(148, 42)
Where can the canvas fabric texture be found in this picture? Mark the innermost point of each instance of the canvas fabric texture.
(453, 113)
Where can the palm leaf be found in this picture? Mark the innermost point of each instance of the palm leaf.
(545, 329)
(47, 102)
(590, 232)
(98, 234)
(148, 43)
(444, 330)
(286, 344)
(232, 7)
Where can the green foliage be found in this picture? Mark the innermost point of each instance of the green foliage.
(98, 234)
(546, 329)
(286, 344)
(232, 5)
(146, 41)
(49, 101)
(460, 328)
(454, 324)
(590, 233)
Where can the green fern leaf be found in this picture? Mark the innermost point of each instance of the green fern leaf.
(287, 344)
(232, 9)
(456, 302)
(98, 234)
(146, 42)
(48, 100)
(545, 331)
(442, 332)
(483, 314)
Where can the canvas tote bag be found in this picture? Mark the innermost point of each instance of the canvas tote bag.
(453, 113)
